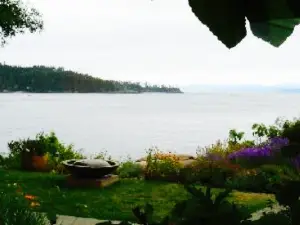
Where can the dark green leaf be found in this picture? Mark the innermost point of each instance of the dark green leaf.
(272, 21)
(222, 196)
(225, 19)
(208, 192)
(139, 215)
(274, 32)
(179, 208)
(149, 212)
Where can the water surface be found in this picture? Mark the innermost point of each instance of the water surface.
(131, 123)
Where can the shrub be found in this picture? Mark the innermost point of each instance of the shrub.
(249, 180)
(264, 179)
(218, 149)
(266, 153)
(164, 166)
(212, 172)
(130, 169)
(222, 149)
(43, 144)
(2, 160)
(102, 155)
(62, 153)
(262, 131)
(15, 209)
(292, 131)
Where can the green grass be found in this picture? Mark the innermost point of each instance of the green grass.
(114, 202)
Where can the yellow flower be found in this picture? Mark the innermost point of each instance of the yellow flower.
(34, 204)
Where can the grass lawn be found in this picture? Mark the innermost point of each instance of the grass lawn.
(114, 202)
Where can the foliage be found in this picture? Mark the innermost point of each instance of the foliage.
(17, 208)
(262, 180)
(130, 169)
(43, 144)
(102, 155)
(38, 146)
(17, 18)
(288, 195)
(249, 180)
(211, 172)
(266, 153)
(272, 21)
(2, 160)
(162, 165)
(235, 137)
(200, 208)
(260, 130)
(220, 150)
(292, 131)
(47, 79)
(116, 201)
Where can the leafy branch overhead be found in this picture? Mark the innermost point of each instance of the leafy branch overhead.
(16, 18)
(271, 20)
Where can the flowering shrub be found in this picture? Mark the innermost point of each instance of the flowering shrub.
(47, 145)
(130, 169)
(264, 179)
(162, 165)
(212, 172)
(266, 153)
(220, 150)
(18, 208)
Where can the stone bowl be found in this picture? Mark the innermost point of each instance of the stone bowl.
(90, 168)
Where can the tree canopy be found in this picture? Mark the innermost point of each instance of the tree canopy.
(16, 17)
(43, 79)
(271, 20)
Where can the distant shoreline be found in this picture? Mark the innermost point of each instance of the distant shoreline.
(135, 93)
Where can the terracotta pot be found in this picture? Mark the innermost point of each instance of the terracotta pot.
(40, 163)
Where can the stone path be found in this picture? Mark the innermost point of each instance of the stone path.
(259, 213)
(71, 220)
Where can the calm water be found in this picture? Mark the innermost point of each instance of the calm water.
(129, 124)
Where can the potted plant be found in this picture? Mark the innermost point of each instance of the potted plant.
(33, 153)
(39, 157)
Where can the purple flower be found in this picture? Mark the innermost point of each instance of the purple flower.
(264, 153)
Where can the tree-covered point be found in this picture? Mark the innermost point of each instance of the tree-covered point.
(41, 79)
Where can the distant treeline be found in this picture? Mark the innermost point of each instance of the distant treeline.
(41, 79)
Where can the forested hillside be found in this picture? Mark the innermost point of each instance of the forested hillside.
(43, 79)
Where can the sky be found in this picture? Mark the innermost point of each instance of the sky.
(158, 41)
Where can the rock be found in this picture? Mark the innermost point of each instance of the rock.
(143, 164)
(181, 157)
(184, 163)
(141, 159)
(187, 163)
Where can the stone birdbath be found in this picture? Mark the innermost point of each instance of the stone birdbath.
(90, 168)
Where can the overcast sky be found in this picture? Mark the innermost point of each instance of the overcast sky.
(158, 41)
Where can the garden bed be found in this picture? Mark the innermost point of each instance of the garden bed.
(112, 203)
